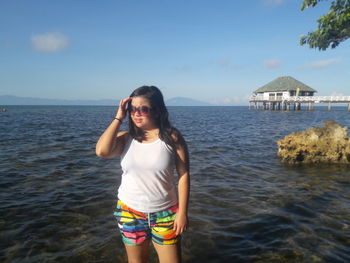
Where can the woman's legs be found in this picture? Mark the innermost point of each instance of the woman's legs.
(138, 228)
(165, 240)
(138, 253)
(168, 253)
(134, 229)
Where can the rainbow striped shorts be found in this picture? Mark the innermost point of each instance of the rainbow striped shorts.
(137, 227)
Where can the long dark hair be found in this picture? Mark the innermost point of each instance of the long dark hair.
(159, 112)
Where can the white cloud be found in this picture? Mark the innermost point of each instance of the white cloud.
(50, 42)
(336, 94)
(323, 63)
(272, 63)
(184, 69)
(8, 44)
(274, 2)
(231, 101)
(226, 63)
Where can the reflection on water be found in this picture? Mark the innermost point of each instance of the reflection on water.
(57, 197)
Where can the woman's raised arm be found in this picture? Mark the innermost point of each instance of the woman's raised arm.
(111, 142)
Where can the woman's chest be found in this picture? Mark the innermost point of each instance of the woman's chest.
(153, 156)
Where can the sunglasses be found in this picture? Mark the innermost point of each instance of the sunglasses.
(143, 110)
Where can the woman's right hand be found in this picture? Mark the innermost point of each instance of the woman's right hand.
(122, 109)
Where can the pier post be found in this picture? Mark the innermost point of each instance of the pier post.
(273, 104)
(311, 106)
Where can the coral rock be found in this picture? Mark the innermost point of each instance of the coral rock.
(326, 144)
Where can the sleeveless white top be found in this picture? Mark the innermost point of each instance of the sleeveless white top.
(148, 176)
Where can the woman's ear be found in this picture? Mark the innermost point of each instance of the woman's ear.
(155, 114)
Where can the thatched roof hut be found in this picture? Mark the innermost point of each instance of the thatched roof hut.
(285, 84)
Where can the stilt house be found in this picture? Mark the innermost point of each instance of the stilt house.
(285, 93)
(282, 88)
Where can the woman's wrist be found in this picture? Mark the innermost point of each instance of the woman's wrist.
(118, 119)
(182, 212)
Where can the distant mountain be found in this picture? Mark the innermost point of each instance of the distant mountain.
(15, 100)
(181, 101)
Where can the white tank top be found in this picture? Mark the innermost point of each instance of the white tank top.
(147, 183)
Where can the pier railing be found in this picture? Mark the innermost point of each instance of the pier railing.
(319, 99)
(285, 103)
(303, 99)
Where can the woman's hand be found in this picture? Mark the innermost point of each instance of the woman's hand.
(122, 109)
(180, 223)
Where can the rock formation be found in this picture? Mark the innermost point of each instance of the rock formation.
(326, 144)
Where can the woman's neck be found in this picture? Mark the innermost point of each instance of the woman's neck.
(151, 135)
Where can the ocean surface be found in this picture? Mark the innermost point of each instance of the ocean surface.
(57, 198)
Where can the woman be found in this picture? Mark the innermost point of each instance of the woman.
(149, 206)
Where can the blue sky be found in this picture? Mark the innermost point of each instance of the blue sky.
(215, 51)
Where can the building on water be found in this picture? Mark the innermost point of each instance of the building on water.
(286, 93)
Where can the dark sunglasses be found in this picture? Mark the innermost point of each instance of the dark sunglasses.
(143, 110)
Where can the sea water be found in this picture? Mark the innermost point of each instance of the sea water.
(57, 198)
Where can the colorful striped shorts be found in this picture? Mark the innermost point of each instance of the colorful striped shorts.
(137, 227)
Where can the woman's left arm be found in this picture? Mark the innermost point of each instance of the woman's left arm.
(183, 170)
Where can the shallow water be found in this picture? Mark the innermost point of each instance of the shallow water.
(57, 197)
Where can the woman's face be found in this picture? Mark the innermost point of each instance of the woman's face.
(141, 113)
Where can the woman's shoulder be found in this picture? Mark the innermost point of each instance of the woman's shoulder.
(179, 144)
(176, 136)
(123, 135)
(174, 133)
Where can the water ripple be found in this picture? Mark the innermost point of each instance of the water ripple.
(57, 197)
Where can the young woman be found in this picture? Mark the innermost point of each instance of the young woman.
(150, 207)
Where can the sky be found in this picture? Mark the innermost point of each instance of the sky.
(216, 51)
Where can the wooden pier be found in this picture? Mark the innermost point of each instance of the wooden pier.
(296, 102)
